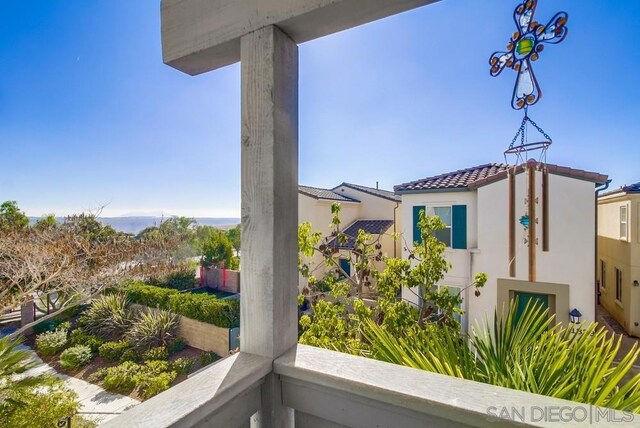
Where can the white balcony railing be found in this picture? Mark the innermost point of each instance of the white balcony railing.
(330, 389)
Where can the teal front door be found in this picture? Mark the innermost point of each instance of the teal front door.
(524, 298)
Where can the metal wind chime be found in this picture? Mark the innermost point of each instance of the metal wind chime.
(524, 48)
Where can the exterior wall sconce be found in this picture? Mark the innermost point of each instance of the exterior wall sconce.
(575, 316)
(636, 283)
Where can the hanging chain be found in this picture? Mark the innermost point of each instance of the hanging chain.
(522, 131)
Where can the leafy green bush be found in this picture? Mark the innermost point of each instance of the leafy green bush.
(98, 375)
(149, 295)
(129, 355)
(207, 358)
(112, 351)
(108, 316)
(207, 308)
(157, 353)
(151, 385)
(121, 378)
(76, 356)
(80, 337)
(182, 365)
(176, 346)
(182, 277)
(43, 409)
(201, 307)
(153, 328)
(51, 342)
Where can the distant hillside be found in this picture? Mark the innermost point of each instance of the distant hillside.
(134, 224)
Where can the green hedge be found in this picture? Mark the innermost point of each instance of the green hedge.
(201, 307)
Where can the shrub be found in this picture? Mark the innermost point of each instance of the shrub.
(207, 308)
(181, 365)
(151, 385)
(176, 346)
(157, 353)
(156, 367)
(182, 277)
(80, 337)
(98, 375)
(153, 328)
(148, 295)
(207, 358)
(43, 409)
(122, 378)
(201, 307)
(112, 351)
(51, 342)
(76, 356)
(129, 355)
(107, 317)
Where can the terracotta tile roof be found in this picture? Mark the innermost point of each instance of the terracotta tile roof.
(372, 227)
(325, 194)
(460, 179)
(372, 191)
(478, 176)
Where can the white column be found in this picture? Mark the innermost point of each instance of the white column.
(268, 325)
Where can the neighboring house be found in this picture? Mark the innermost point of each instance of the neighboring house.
(482, 208)
(619, 255)
(373, 210)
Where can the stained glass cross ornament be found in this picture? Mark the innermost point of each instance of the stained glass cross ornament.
(525, 46)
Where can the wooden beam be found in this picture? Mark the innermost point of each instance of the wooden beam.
(268, 301)
(202, 35)
(545, 209)
(531, 212)
(512, 224)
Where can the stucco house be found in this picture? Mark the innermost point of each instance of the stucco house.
(485, 209)
(619, 255)
(374, 210)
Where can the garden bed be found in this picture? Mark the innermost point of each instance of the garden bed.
(127, 350)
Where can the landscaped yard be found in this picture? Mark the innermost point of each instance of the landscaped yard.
(128, 342)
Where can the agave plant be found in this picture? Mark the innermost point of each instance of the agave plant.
(152, 329)
(528, 353)
(108, 317)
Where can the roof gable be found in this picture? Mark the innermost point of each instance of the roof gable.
(372, 227)
(385, 194)
(324, 194)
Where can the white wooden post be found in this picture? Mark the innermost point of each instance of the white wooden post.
(268, 321)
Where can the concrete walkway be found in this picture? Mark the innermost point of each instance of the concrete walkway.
(96, 403)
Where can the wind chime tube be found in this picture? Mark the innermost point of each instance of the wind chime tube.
(531, 167)
(512, 223)
(545, 209)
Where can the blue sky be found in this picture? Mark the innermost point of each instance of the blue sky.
(89, 115)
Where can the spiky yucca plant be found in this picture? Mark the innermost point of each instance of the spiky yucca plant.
(152, 329)
(528, 353)
(108, 317)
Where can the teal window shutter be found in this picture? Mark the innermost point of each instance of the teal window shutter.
(416, 217)
(459, 227)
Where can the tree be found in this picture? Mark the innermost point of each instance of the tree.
(11, 217)
(77, 259)
(337, 323)
(234, 237)
(217, 250)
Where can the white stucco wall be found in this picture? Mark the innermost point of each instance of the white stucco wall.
(571, 255)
